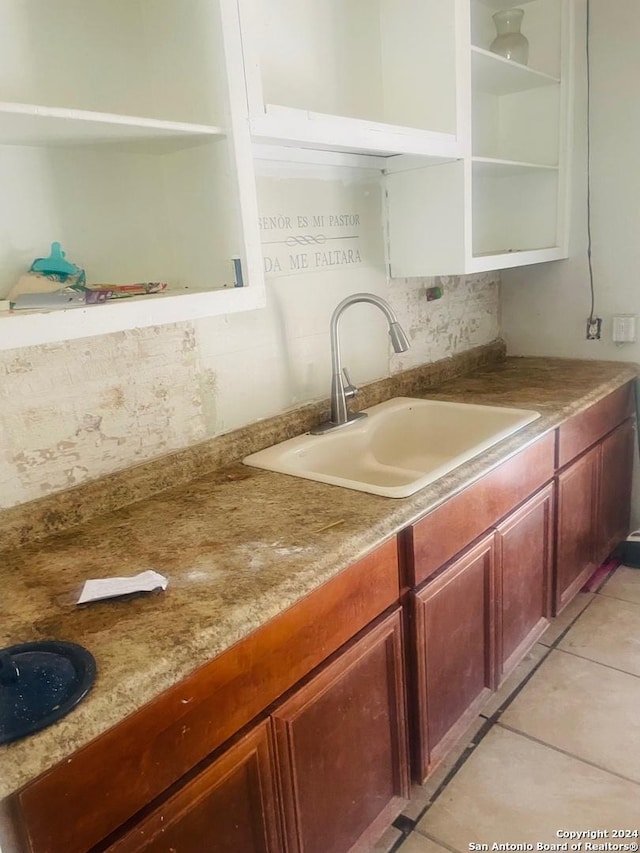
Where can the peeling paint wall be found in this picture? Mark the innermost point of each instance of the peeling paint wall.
(78, 410)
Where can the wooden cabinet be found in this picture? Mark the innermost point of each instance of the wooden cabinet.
(614, 489)
(341, 743)
(594, 499)
(595, 458)
(229, 807)
(575, 557)
(454, 629)
(524, 558)
(475, 620)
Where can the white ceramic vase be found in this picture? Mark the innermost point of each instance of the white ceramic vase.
(510, 42)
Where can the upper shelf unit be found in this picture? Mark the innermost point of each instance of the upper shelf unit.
(505, 200)
(355, 75)
(123, 136)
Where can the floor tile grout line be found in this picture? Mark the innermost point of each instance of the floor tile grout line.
(598, 663)
(618, 598)
(517, 690)
(558, 749)
(462, 758)
(570, 625)
(438, 841)
(584, 657)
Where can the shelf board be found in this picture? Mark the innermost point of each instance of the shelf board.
(497, 5)
(492, 167)
(289, 126)
(496, 75)
(501, 260)
(30, 124)
(28, 328)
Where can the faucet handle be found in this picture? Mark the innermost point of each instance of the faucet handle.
(350, 390)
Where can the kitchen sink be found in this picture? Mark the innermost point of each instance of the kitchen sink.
(401, 446)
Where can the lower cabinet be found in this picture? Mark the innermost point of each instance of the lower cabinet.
(229, 807)
(594, 499)
(524, 565)
(341, 743)
(454, 617)
(577, 505)
(475, 620)
(614, 489)
(336, 749)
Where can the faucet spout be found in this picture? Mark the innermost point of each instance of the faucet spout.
(341, 386)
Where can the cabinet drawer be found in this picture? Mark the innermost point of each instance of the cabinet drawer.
(583, 430)
(439, 536)
(130, 765)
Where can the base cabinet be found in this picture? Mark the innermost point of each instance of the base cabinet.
(341, 743)
(524, 560)
(332, 759)
(454, 618)
(228, 807)
(594, 499)
(614, 489)
(575, 560)
(476, 620)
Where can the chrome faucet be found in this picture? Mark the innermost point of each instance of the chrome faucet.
(342, 388)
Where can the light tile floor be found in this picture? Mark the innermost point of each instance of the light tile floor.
(558, 748)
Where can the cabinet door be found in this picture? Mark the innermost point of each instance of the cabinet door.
(575, 557)
(454, 617)
(229, 807)
(614, 489)
(341, 743)
(524, 563)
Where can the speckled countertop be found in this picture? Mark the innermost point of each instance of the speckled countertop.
(238, 546)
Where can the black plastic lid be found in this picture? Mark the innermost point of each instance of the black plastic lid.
(40, 683)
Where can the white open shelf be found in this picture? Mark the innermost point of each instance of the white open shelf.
(497, 5)
(159, 59)
(28, 328)
(286, 125)
(499, 76)
(123, 136)
(505, 260)
(515, 209)
(489, 166)
(31, 124)
(353, 76)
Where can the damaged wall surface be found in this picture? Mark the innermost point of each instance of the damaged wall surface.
(75, 411)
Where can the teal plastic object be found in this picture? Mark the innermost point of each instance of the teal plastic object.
(55, 264)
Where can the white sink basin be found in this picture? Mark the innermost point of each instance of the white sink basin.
(403, 445)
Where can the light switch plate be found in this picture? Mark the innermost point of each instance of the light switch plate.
(624, 328)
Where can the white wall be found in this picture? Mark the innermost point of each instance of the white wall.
(74, 411)
(545, 307)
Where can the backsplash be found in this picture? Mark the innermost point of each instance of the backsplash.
(76, 411)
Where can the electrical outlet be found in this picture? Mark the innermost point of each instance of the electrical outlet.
(594, 328)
